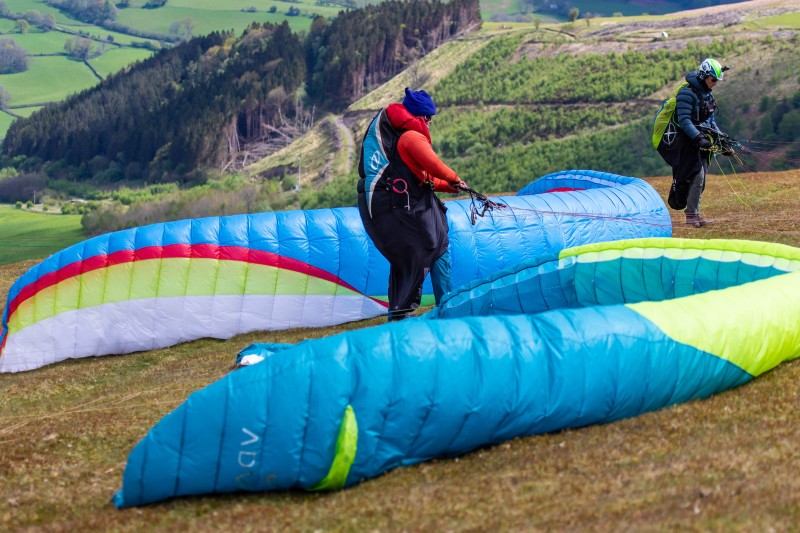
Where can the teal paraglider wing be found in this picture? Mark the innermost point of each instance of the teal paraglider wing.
(619, 329)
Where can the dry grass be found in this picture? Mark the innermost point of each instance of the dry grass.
(728, 463)
(759, 206)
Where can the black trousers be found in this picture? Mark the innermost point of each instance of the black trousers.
(689, 166)
(412, 239)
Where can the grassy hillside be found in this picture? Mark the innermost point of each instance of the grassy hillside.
(519, 100)
(51, 79)
(29, 235)
(117, 58)
(36, 42)
(516, 101)
(48, 79)
(24, 111)
(21, 6)
(727, 463)
(5, 121)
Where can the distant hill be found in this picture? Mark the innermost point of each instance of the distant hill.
(115, 38)
(516, 101)
(190, 108)
(560, 10)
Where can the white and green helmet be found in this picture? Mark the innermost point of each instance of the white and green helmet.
(711, 67)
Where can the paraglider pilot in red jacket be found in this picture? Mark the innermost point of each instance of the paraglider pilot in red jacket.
(399, 173)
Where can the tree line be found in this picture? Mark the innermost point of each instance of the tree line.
(25, 20)
(91, 11)
(194, 105)
(362, 48)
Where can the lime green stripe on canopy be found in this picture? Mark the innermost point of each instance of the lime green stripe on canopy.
(621, 272)
(166, 278)
(765, 312)
(756, 253)
(346, 446)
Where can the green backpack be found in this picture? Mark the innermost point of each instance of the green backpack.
(664, 117)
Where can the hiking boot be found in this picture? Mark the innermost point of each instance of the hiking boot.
(697, 221)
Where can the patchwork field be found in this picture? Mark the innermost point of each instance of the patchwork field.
(117, 58)
(207, 17)
(55, 77)
(48, 79)
(26, 235)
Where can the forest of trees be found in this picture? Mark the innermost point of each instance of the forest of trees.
(472, 131)
(780, 128)
(508, 168)
(193, 106)
(167, 115)
(782, 121)
(362, 48)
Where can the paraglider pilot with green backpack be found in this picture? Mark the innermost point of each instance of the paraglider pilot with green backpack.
(683, 133)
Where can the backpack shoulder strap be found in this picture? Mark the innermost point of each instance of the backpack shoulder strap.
(682, 85)
(380, 141)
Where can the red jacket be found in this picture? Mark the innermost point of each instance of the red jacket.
(414, 147)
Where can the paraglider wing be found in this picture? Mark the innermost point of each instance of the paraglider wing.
(331, 412)
(163, 284)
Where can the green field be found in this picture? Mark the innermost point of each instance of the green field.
(263, 6)
(237, 5)
(52, 42)
(5, 122)
(48, 79)
(102, 33)
(21, 6)
(35, 42)
(206, 20)
(116, 58)
(7, 26)
(26, 235)
(25, 111)
(787, 20)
